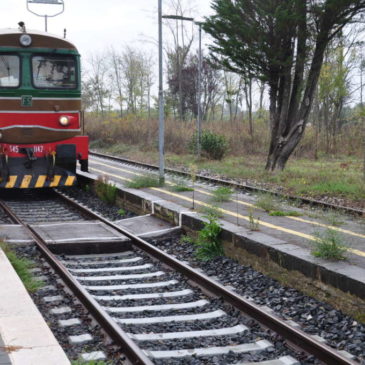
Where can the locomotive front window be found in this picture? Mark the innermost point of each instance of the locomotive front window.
(9, 70)
(54, 72)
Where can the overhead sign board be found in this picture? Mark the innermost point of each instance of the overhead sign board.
(46, 1)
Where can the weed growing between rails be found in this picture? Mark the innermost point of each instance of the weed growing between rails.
(22, 266)
(329, 246)
(105, 190)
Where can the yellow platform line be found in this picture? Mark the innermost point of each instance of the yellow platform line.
(233, 214)
(298, 219)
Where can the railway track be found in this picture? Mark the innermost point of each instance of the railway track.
(235, 185)
(159, 310)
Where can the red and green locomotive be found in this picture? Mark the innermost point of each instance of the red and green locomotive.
(40, 111)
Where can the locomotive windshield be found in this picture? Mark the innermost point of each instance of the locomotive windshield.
(54, 72)
(9, 71)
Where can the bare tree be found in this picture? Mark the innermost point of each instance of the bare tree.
(96, 83)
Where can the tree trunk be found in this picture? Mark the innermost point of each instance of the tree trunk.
(288, 127)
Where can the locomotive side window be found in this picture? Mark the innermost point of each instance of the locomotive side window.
(55, 72)
(9, 70)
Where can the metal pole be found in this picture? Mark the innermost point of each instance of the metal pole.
(199, 120)
(45, 23)
(161, 134)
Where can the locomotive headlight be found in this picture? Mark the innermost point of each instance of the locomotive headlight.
(64, 120)
(25, 40)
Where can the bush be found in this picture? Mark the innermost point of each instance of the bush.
(213, 146)
(329, 246)
(106, 191)
(208, 243)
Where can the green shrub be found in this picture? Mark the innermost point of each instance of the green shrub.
(105, 190)
(329, 246)
(213, 146)
(267, 202)
(208, 244)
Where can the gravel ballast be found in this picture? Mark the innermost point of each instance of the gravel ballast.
(315, 317)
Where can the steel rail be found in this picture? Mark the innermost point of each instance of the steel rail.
(290, 333)
(120, 338)
(235, 185)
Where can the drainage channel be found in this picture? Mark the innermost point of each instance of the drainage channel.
(144, 300)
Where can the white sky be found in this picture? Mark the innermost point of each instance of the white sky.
(97, 24)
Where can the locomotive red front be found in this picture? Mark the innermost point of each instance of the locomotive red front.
(40, 111)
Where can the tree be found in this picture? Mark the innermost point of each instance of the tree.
(282, 43)
(95, 86)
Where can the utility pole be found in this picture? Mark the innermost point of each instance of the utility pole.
(161, 130)
(199, 119)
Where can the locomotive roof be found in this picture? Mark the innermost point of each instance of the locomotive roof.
(10, 38)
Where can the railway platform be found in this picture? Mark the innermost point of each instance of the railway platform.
(25, 338)
(287, 240)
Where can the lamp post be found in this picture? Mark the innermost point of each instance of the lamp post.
(46, 2)
(198, 121)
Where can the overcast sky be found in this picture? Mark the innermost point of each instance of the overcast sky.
(97, 24)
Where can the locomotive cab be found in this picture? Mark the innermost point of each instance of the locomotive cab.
(40, 111)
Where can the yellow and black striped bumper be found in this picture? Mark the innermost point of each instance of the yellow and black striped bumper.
(37, 181)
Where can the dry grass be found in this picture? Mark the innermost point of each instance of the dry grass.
(310, 171)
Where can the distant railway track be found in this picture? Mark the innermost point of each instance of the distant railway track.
(90, 276)
(236, 185)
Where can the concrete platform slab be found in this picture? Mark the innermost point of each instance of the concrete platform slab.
(22, 327)
(4, 357)
(82, 237)
(15, 233)
(146, 226)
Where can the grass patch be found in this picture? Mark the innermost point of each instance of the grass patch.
(144, 181)
(222, 194)
(105, 190)
(22, 267)
(91, 362)
(208, 244)
(180, 186)
(290, 213)
(329, 246)
(267, 202)
(122, 212)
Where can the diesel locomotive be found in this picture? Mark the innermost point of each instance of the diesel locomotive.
(41, 138)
